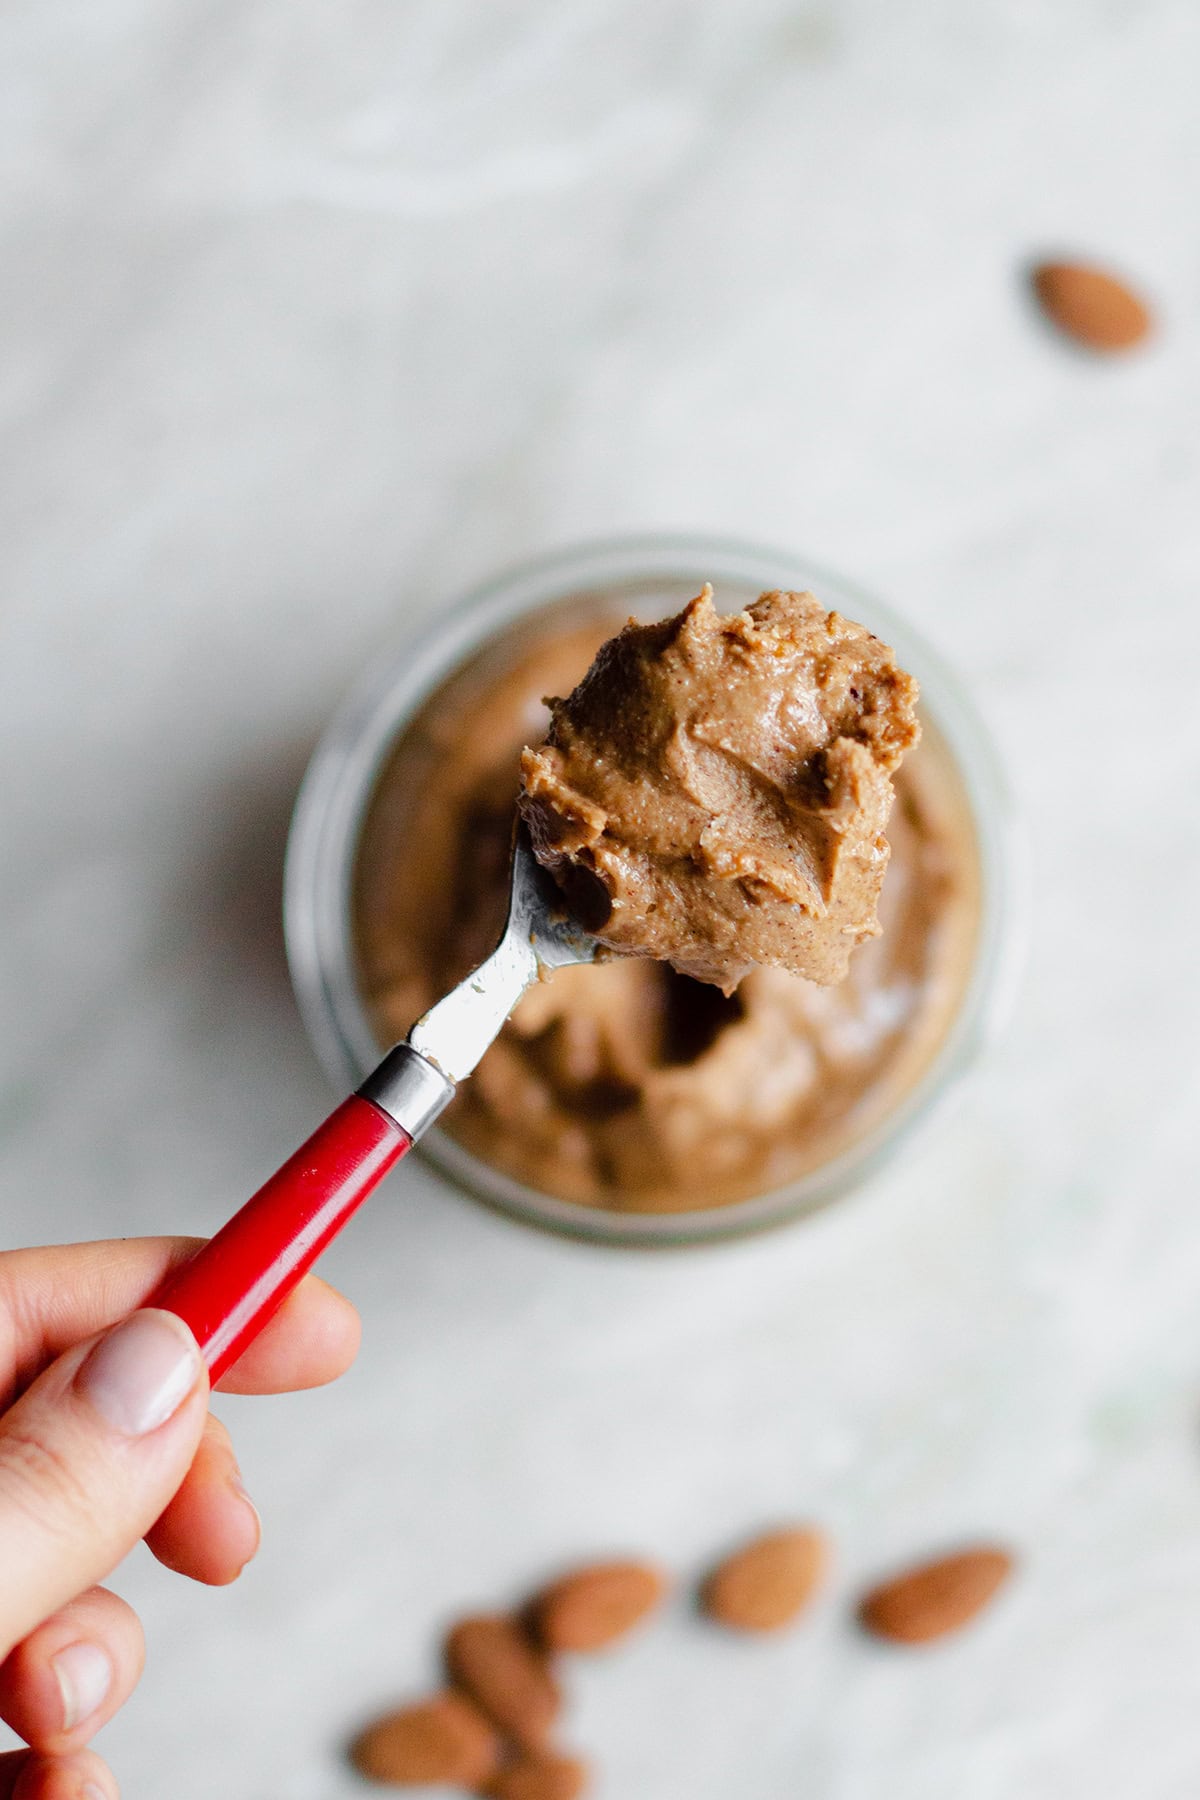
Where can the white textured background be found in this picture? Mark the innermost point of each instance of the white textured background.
(310, 315)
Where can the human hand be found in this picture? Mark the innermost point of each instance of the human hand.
(106, 1437)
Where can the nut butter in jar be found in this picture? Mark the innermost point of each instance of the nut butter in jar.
(623, 1100)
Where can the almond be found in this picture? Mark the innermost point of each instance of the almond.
(1091, 306)
(541, 1778)
(595, 1606)
(442, 1740)
(492, 1658)
(936, 1598)
(764, 1585)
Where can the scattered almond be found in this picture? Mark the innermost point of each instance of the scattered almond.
(492, 1658)
(541, 1778)
(1091, 306)
(936, 1598)
(763, 1586)
(597, 1605)
(441, 1740)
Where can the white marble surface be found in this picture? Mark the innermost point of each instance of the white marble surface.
(312, 314)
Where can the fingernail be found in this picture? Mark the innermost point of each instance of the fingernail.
(137, 1376)
(90, 1791)
(84, 1676)
(235, 1482)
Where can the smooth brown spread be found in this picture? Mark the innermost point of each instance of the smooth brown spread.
(624, 1084)
(714, 792)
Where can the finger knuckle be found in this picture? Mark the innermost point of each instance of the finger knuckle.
(40, 1480)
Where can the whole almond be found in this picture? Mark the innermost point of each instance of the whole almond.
(936, 1598)
(1094, 308)
(442, 1740)
(765, 1584)
(541, 1778)
(493, 1659)
(593, 1607)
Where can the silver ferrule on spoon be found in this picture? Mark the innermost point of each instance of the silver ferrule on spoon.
(411, 1090)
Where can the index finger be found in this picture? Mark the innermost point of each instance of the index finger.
(39, 1777)
(52, 1297)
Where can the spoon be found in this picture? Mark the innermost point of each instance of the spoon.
(226, 1293)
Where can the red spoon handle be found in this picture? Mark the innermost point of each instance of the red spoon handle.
(231, 1287)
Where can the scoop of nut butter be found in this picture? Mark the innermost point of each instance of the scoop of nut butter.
(715, 791)
(789, 913)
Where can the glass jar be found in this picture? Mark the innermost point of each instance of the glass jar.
(650, 577)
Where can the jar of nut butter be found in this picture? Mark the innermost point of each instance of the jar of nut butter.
(622, 1100)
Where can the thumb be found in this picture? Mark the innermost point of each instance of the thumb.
(89, 1457)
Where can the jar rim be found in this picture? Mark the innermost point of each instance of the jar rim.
(337, 788)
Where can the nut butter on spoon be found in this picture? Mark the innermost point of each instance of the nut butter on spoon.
(715, 791)
(713, 794)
